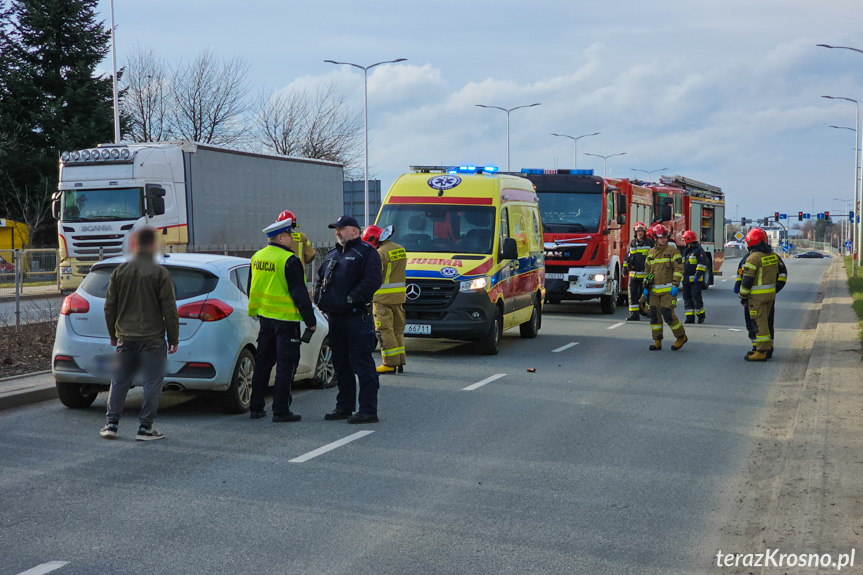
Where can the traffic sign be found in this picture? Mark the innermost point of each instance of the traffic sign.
(783, 216)
(807, 216)
(738, 236)
(848, 245)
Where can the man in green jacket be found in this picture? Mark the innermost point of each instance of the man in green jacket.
(140, 309)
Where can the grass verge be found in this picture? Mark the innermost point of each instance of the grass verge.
(855, 284)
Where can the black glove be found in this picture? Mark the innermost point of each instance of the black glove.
(744, 302)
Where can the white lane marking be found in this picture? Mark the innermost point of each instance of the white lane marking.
(479, 384)
(564, 347)
(330, 446)
(45, 568)
(724, 280)
(735, 329)
(617, 325)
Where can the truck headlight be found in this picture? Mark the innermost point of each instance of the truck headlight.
(596, 277)
(473, 285)
(65, 270)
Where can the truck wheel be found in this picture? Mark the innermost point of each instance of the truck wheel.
(238, 396)
(490, 344)
(325, 372)
(530, 328)
(552, 300)
(707, 280)
(608, 303)
(72, 395)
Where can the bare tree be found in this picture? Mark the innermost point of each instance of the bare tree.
(147, 96)
(209, 99)
(318, 125)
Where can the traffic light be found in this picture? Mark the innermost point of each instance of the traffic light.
(827, 216)
(775, 216)
(799, 216)
(742, 221)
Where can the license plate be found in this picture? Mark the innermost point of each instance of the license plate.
(549, 276)
(417, 329)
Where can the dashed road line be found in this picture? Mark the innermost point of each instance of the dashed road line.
(45, 568)
(617, 325)
(329, 447)
(479, 384)
(564, 347)
(735, 329)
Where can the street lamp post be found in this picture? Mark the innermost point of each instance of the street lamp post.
(365, 70)
(649, 172)
(114, 78)
(858, 192)
(855, 241)
(507, 110)
(575, 139)
(605, 161)
(843, 225)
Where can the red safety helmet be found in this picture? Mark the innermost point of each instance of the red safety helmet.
(689, 236)
(288, 215)
(755, 237)
(372, 235)
(659, 231)
(640, 226)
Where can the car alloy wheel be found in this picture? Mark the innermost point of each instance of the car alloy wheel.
(245, 373)
(325, 371)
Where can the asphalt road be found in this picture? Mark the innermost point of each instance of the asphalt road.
(609, 459)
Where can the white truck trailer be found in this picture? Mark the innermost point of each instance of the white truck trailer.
(196, 194)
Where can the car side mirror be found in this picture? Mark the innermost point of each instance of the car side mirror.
(666, 213)
(510, 249)
(621, 220)
(621, 204)
(55, 207)
(155, 200)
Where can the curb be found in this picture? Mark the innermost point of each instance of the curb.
(20, 390)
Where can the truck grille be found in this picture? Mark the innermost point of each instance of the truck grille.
(565, 253)
(433, 294)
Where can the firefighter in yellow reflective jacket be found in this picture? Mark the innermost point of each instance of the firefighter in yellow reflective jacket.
(633, 267)
(300, 243)
(764, 275)
(664, 269)
(389, 299)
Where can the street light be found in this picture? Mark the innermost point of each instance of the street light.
(575, 139)
(858, 190)
(365, 70)
(605, 161)
(649, 172)
(856, 234)
(114, 79)
(507, 110)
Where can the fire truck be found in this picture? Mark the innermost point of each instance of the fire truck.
(687, 204)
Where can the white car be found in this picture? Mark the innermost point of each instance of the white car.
(734, 244)
(217, 338)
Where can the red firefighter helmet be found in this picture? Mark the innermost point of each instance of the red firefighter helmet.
(640, 226)
(659, 231)
(755, 237)
(689, 236)
(372, 235)
(288, 215)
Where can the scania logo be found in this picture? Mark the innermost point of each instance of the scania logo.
(97, 228)
(412, 292)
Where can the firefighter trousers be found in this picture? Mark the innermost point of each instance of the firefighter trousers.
(751, 326)
(759, 313)
(636, 285)
(663, 305)
(390, 324)
(692, 303)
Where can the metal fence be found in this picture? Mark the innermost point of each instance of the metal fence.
(24, 275)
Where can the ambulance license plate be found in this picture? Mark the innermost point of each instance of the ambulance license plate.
(549, 276)
(417, 329)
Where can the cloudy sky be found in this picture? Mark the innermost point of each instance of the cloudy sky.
(724, 91)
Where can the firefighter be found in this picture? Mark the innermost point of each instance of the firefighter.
(300, 244)
(750, 325)
(633, 267)
(389, 299)
(664, 269)
(764, 274)
(694, 268)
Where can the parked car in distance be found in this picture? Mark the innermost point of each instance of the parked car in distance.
(735, 245)
(811, 255)
(6, 267)
(217, 338)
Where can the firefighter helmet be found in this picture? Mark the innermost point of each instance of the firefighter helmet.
(689, 236)
(755, 237)
(372, 235)
(659, 231)
(289, 215)
(640, 226)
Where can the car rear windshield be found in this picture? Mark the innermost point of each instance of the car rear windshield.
(188, 283)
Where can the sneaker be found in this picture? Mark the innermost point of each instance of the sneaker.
(287, 417)
(109, 431)
(148, 434)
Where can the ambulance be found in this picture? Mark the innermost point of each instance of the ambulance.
(475, 253)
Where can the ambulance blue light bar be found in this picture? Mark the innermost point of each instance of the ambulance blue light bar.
(540, 171)
(473, 170)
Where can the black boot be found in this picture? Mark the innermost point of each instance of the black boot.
(689, 319)
(701, 318)
(633, 317)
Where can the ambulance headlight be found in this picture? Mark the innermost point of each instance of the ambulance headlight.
(474, 285)
(596, 277)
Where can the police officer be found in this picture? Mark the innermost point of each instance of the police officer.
(764, 275)
(279, 298)
(633, 266)
(694, 268)
(345, 287)
(300, 244)
(389, 300)
(664, 268)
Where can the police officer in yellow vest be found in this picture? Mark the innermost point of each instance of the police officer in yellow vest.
(389, 299)
(279, 299)
(764, 275)
(300, 244)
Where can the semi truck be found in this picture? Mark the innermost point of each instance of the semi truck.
(196, 194)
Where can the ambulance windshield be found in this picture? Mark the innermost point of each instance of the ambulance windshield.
(570, 212)
(443, 229)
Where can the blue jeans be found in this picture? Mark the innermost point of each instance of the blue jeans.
(148, 357)
(352, 339)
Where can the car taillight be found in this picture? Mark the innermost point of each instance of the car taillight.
(74, 304)
(208, 310)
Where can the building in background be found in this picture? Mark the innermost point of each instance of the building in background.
(354, 194)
